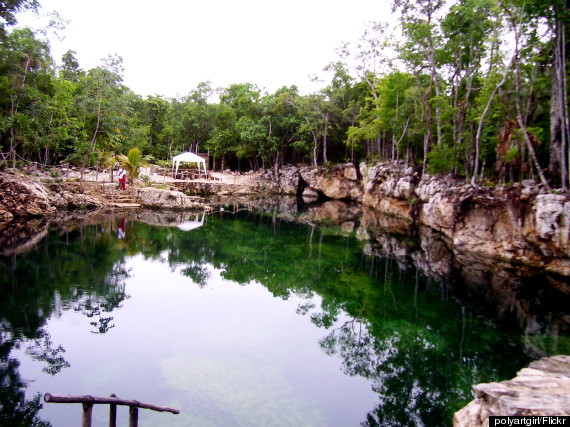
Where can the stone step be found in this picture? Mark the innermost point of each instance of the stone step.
(127, 205)
(119, 197)
(122, 199)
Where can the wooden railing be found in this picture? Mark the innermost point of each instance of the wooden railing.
(112, 401)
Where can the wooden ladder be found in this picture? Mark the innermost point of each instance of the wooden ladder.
(112, 401)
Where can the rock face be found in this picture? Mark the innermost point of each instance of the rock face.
(21, 198)
(541, 389)
(504, 223)
(515, 224)
(337, 182)
(216, 188)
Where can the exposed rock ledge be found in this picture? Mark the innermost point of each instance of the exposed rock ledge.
(541, 389)
(515, 223)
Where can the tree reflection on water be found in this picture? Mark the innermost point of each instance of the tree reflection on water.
(419, 337)
(79, 270)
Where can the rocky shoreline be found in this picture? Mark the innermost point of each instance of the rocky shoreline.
(516, 224)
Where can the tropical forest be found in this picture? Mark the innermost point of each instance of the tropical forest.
(473, 88)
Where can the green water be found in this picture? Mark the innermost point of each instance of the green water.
(244, 320)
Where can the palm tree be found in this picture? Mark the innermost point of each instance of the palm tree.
(132, 163)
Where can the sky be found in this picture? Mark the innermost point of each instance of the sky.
(170, 46)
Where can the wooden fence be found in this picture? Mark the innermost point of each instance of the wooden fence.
(88, 402)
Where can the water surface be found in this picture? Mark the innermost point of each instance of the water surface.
(238, 319)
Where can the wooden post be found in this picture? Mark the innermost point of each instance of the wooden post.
(87, 413)
(88, 402)
(133, 416)
(113, 413)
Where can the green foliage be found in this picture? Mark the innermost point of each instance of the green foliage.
(512, 154)
(147, 180)
(437, 85)
(132, 163)
(441, 159)
(164, 163)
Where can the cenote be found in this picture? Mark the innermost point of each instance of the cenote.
(240, 318)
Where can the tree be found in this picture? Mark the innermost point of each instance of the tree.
(490, 88)
(198, 116)
(24, 66)
(101, 108)
(224, 136)
(469, 28)
(132, 163)
(423, 49)
(342, 97)
(244, 102)
(395, 108)
(555, 15)
(9, 9)
(372, 58)
(70, 69)
(517, 27)
(315, 109)
(152, 112)
(284, 122)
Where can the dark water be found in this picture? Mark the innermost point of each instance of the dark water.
(241, 319)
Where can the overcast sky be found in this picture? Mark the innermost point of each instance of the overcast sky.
(169, 46)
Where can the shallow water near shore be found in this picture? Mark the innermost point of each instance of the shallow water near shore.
(240, 319)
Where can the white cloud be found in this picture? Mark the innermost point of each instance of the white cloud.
(168, 47)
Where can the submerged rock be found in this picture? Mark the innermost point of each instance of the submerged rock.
(541, 389)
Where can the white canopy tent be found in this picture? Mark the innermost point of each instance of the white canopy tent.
(196, 222)
(187, 157)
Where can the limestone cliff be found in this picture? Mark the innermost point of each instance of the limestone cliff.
(517, 223)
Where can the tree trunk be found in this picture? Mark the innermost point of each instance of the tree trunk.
(92, 145)
(556, 122)
(435, 82)
(428, 134)
(558, 165)
(315, 149)
(276, 168)
(13, 109)
(481, 120)
(426, 150)
(520, 118)
(325, 133)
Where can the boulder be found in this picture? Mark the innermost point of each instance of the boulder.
(166, 199)
(23, 198)
(541, 389)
